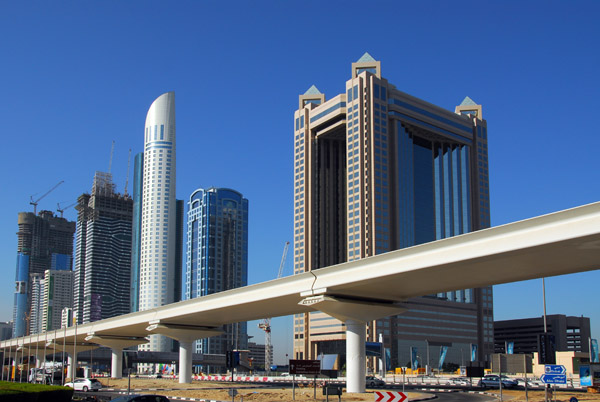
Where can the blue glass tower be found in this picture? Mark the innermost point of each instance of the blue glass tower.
(217, 256)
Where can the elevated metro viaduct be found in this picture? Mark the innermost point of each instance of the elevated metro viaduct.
(355, 292)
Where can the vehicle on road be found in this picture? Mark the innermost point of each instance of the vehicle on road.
(493, 381)
(141, 398)
(373, 382)
(531, 383)
(458, 381)
(85, 384)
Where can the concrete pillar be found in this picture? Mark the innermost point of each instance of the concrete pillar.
(185, 361)
(355, 355)
(116, 364)
(70, 371)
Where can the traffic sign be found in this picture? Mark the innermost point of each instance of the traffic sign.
(554, 378)
(555, 369)
(387, 396)
(305, 366)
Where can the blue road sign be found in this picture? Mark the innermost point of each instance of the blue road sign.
(555, 369)
(554, 378)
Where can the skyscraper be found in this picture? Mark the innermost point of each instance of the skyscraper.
(58, 295)
(45, 242)
(37, 304)
(136, 235)
(378, 170)
(217, 256)
(103, 252)
(158, 259)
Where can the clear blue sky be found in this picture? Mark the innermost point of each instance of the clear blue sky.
(78, 75)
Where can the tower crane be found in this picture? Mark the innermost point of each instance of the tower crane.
(58, 209)
(35, 203)
(128, 167)
(265, 324)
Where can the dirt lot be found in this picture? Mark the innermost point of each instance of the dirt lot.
(538, 396)
(258, 393)
(250, 392)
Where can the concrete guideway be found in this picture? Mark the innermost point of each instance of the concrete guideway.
(560, 243)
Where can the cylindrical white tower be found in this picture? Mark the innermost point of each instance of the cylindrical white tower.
(157, 265)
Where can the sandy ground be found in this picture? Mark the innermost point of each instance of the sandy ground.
(259, 393)
(246, 392)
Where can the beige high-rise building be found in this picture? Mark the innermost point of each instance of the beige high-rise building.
(378, 170)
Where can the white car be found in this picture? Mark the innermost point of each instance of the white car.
(85, 384)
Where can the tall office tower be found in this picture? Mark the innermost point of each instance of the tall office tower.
(378, 170)
(136, 234)
(45, 242)
(37, 304)
(217, 256)
(58, 295)
(102, 252)
(158, 271)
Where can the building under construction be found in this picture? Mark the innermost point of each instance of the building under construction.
(102, 252)
(45, 242)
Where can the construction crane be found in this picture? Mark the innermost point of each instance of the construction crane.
(112, 151)
(35, 203)
(58, 209)
(265, 324)
(128, 166)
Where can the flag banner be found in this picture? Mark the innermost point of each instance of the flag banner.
(414, 361)
(510, 348)
(473, 352)
(595, 357)
(443, 351)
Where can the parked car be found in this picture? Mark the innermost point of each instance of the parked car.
(458, 381)
(141, 398)
(531, 383)
(493, 381)
(373, 382)
(85, 384)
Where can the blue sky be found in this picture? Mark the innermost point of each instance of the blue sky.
(78, 75)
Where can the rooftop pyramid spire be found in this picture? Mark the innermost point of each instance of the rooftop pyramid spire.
(365, 58)
(313, 91)
(468, 102)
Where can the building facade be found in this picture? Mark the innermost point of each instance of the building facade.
(58, 295)
(376, 170)
(103, 252)
(136, 235)
(571, 334)
(158, 281)
(217, 256)
(45, 242)
(37, 304)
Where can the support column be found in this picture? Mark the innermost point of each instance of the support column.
(70, 366)
(186, 335)
(355, 355)
(355, 313)
(185, 361)
(116, 363)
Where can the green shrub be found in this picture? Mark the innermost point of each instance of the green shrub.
(17, 392)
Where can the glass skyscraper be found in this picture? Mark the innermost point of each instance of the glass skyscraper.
(217, 256)
(378, 170)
